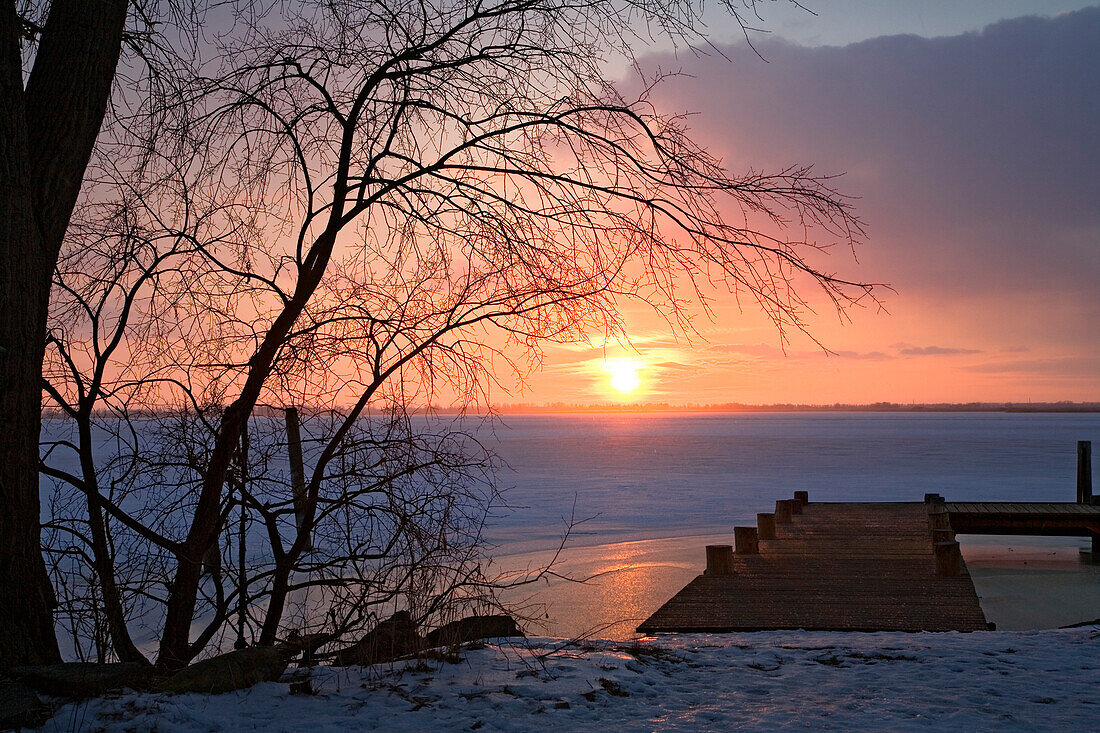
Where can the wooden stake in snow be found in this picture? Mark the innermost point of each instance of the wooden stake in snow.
(297, 470)
(242, 534)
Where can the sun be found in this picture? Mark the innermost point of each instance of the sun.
(623, 374)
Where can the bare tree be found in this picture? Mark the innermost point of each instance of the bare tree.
(340, 212)
(396, 516)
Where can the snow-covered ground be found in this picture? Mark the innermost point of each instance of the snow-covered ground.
(1045, 680)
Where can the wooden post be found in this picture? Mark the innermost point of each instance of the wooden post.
(802, 497)
(297, 469)
(943, 535)
(948, 559)
(783, 511)
(746, 541)
(765, 525)
(1084, 472)
(938, 518)
(796, 505)
(242, 535)
(933, 499)
(719, 560)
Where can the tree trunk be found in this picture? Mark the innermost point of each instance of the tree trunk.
(175, 644)
(102, 556)
(26, 597)
(280, 587)
(46, 137)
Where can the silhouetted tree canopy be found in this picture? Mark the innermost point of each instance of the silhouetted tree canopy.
(359, 206)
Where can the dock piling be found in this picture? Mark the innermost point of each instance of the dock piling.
(943, 535)
(938, 518)
(948, 559)
(1084, 472)
(784, 511)
(719, 560)
(746, 541)
(765, 525)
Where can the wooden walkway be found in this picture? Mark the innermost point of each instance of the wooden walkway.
(1062, 518)
(834, 566)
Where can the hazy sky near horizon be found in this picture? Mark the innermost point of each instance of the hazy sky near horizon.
(971, 143)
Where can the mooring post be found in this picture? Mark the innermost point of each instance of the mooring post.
(943, 535)
(746, 541)
(765, 526)
(784, 511)
(719, 560)
(938, 518)
(1084, 472)
(802, 497)
(933, 499)
(948, 559)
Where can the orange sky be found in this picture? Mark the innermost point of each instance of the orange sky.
(974, 159)
(903, 356)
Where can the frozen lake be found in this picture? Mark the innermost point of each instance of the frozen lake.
(660, 475)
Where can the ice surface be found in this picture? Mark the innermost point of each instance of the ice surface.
(664, 475)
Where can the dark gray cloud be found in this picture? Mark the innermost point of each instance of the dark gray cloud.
(840, 22)
(976, 157)
(861, 355)
(772, 352)
(1070, 366)
(936, 351)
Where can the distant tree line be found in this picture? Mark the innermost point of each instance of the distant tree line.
(1065, 406)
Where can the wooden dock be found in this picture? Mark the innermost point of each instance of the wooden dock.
(855, 567)
(1050, 518)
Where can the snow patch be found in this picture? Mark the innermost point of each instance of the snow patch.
(689, 682)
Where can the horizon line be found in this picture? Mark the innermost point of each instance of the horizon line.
(1066, 406)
